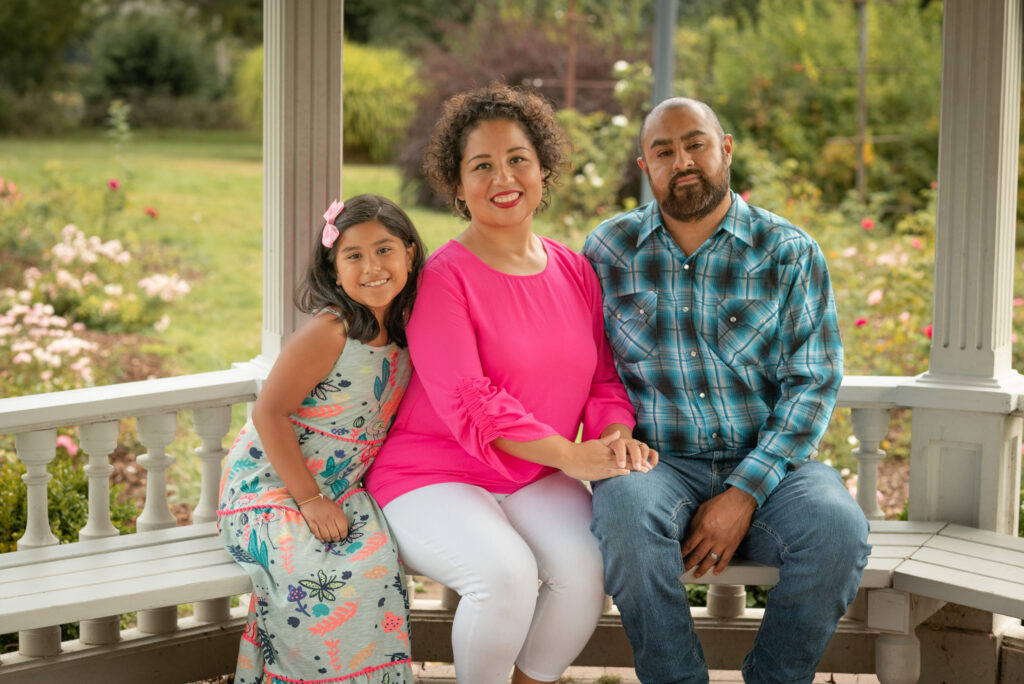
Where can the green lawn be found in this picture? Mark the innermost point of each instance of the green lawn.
(207, 189)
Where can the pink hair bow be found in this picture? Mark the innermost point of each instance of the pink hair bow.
(331, 233)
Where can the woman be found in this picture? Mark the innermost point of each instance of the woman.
(479, 478)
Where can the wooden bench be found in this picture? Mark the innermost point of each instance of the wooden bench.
(94, 579)
(967, 566)
(150, 570)
(146, 570)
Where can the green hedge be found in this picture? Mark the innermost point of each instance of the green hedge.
(380, 90)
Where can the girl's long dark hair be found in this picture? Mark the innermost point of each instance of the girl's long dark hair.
(320, 288)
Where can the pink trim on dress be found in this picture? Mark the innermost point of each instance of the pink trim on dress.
(332, 679)
(333, 436)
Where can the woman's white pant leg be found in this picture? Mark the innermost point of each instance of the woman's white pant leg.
(458, 535)
(553, 516)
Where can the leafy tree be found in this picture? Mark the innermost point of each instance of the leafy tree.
(620, 26)
(146, 54)
(404, 24)
(741, 10)
(35, 36)
(491, 48)
(239, 19)
(787, 79)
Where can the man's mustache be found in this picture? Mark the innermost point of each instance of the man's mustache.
(684, 174)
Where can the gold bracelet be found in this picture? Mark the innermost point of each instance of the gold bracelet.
(300, 504)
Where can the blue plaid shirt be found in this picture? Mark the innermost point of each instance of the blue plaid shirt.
(736, 346)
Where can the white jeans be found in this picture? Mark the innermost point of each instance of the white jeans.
(492, 550)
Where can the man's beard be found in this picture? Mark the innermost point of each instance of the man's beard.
(693, 202)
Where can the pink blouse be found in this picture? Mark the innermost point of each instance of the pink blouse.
(498, 355)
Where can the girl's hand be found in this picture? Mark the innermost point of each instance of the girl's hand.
(633, 454)
(325, 520)
(593, 459)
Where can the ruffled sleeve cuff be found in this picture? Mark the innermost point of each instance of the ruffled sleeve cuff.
(490, 413)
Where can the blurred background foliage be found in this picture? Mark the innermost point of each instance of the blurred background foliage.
(781, 73)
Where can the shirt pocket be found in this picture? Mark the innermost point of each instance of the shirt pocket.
(632, 324)
(746, 330)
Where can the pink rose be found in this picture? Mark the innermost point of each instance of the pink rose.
(151, 212)
(867, 224)
(860, 322)
(113, 184)
(928, 330)
(68, 444)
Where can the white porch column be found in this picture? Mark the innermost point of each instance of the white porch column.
(965, 453)
(965, 458)
(302, 149)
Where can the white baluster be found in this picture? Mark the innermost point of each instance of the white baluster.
(870, 426)
(211, 425)
(898, 658)
(727, 600)
(36, 450)
(99, 440)
(156, 432)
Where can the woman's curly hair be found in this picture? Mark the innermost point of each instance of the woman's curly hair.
(463, 112)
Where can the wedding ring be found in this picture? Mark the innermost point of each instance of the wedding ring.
(713, 556)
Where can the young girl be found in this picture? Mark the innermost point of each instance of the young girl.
(329, 602)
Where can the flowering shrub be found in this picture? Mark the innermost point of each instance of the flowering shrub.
(602, 176)
(61, 287)
(98, 283)
(883, 286)
(883, 282)
(8, 191)
(39, 350)
(589, 192)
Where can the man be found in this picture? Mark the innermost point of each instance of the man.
(723, 324)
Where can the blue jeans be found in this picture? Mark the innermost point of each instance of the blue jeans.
(810, 528)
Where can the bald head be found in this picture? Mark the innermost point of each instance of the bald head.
(680, 103)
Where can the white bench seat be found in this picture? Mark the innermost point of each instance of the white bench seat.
(94, 579)
(892, 543)
(968, 566)
(116, 575)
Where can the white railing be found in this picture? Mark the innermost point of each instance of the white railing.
(97, 412)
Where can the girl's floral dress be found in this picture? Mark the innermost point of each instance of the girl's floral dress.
(335, 612)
